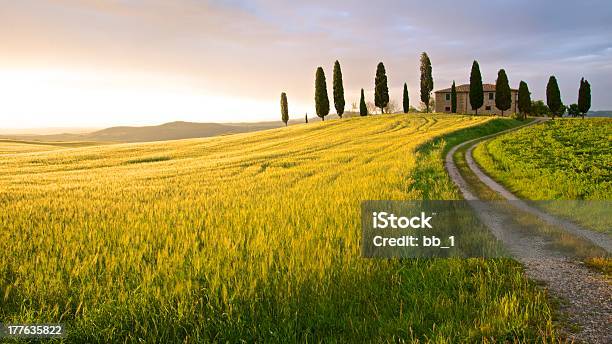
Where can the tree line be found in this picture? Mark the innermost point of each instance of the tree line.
(503, 94)
(381, 92)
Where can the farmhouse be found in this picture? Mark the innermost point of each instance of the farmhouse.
(443, 100)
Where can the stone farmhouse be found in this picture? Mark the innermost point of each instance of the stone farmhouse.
(443, 100)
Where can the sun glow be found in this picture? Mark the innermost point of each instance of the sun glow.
(61, 97)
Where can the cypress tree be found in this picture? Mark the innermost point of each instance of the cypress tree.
(524, 99)
(426, 79)
(363, 108)
(338, 89)
(584, 97)
(321, 98)
(476, 91)
(306, 117)
(503, 95)
(284, 108)
(553, 96)
(405, 99)
(381, 91)
(453, 98)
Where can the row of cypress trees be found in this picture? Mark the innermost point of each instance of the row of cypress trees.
(321, 98)
(381, 91)
(555, 105)
(503, 94)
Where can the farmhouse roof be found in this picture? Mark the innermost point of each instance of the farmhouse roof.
(466, 88)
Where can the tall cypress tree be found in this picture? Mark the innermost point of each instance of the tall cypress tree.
(524, 99)
(453, 98)
(503, 95)
(426, 80)
(381, 91)
(476, 91)
(553, 96)
(405, 99)
(363, 108)
(284, 108)
(338, 89)
(321, 98)
(584, 97)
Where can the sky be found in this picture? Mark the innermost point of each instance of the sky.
(97, 63)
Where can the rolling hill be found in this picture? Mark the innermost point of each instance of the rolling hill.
(163, 132)
(168, 131)
(248, 237)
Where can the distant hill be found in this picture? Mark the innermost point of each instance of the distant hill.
(175, 131)
(167, 131)
(601, 113)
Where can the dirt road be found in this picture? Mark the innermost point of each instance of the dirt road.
(586, 294)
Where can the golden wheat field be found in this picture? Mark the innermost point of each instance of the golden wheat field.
(246, 237)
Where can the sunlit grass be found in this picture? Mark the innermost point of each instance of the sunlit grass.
(248, 237)
(564, 159)
(560, 159)
(21, 146)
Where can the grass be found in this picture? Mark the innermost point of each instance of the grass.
(430, 177)
(562, 159)
(534, 163)
(482, 190)
(569, 244)
(148, 159)
(249, 237)
(20, 146)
